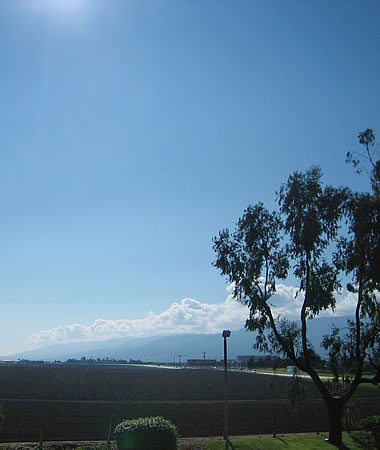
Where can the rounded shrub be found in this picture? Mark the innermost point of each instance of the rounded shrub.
(146, 433)
(372, 424)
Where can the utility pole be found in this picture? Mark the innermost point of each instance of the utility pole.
(179, 356)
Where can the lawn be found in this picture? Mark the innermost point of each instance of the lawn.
(290, 442)
(299, 441)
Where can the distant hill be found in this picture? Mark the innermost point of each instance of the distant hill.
(164, 349)
(160, 349)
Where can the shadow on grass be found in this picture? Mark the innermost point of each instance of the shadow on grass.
(364, 438)
(341, 447)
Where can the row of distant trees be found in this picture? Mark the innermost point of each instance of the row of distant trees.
(84, 360)
(277, 362)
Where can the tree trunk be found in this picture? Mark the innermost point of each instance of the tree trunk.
(335, 412)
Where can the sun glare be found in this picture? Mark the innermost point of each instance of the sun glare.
(66, 6)
(64, 14)
(61, 8)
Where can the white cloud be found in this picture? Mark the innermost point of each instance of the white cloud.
(345, 305)
(288, 302)
(187, 316)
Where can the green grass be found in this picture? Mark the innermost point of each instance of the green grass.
(290, 442)
(283, 371)
(321, 373)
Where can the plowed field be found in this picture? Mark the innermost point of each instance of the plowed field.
(78, 403)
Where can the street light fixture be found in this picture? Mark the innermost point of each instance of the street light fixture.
(225, 335)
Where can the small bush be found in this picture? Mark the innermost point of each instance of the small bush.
(372, 424)
(146, 432)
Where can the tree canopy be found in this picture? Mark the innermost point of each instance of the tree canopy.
(321, 235)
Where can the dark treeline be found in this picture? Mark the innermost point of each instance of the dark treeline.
(107, 360)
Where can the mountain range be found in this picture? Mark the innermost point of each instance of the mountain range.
(168, 348)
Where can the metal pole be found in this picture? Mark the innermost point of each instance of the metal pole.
(226, 334)
(225, 396)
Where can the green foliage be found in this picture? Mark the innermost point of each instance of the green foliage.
(312, 218)
(252, 258)
(146, 432)
(367, 140)
(273, 362)
(263, 249)
(372, 424)
(320, 233)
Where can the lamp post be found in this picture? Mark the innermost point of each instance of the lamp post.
(225, 334)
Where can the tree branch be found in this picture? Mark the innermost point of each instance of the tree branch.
(303, 312)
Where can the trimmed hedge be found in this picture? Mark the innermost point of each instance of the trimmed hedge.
(146, 432)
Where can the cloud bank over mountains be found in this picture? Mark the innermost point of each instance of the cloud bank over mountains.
(189, 316)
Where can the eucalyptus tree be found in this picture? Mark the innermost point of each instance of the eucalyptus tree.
(358, 256)
(366, 160)
(304, 238)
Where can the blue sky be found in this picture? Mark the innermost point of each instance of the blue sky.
(132, 131)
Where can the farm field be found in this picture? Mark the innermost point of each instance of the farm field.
(78, 402)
